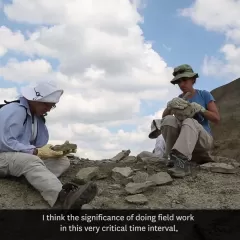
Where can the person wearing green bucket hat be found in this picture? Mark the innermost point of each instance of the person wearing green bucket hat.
(183, 72)
(190, 135)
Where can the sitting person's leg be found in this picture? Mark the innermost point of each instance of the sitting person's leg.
(202, 151)
(4, 166)
(192, 135)
(170, 131)
(57, 165)
(36, 173)
(42, 179)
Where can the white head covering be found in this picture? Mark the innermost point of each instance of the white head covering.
(155, 125)
(42, 92)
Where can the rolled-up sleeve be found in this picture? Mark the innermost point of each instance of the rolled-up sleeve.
(11, 128)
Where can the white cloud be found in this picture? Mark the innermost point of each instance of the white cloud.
(10, 40)
(221, 16)
(97, 142)
(106, 69)
(8, 94)
(25, 71)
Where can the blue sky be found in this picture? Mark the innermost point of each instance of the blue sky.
(177, 39)
(189, 43)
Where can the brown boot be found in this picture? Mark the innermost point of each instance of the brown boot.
(73, 196)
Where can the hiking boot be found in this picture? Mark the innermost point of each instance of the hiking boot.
(73, 196)
(170, 163)
(181, 165)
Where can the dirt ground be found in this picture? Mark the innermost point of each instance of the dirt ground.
(203, 190)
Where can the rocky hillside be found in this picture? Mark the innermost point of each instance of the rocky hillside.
(127, 181)
(130, 182)
(227, 133)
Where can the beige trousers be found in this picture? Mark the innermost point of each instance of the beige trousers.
(186, 137)
(41, 174)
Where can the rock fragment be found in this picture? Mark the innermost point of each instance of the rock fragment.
(115, 186)
(140, 177)
(120, 173)
(86, 174)
(134, 188)
(121, 155)
(219, 168)
(161, 178)
(137, 199)
(130, 159)
(86, 207)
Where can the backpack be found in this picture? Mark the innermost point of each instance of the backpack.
(18, 101)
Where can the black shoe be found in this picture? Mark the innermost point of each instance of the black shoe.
(73, 196)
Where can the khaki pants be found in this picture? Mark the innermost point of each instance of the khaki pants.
(186, 136)
(41, 174)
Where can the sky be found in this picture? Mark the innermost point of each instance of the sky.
(114, 59)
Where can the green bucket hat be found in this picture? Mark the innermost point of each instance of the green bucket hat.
(183, 71)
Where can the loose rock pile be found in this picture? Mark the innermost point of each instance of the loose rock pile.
(136, 182)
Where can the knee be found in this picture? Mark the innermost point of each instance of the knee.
(170, 121)
(65, 163)
(24, 163)
(189, 121)
(32, 159)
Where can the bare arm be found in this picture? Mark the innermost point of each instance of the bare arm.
(212, 113)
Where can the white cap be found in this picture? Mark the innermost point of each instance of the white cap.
(42, 92)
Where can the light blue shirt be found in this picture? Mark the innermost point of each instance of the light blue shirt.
(202, 97)
(15, 136)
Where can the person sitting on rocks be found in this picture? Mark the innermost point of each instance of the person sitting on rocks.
(22, 132)
(188, 131)
(159, 150)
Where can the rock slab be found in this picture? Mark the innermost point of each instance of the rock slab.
(119, 173)
(161, 178)
(135, 188)
(137, 199)
(219, 168)
(140, 177)
(121, 155)
(129, 159)
(86, 174)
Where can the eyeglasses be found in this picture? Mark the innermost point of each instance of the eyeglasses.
(49, 105)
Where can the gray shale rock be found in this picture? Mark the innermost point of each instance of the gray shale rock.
(135, 188)
(129, 159)
(121, 173)
(140, 177)
(137, 199)
(161, 178)
(86, 174)
(121, 155)
(219, 168)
